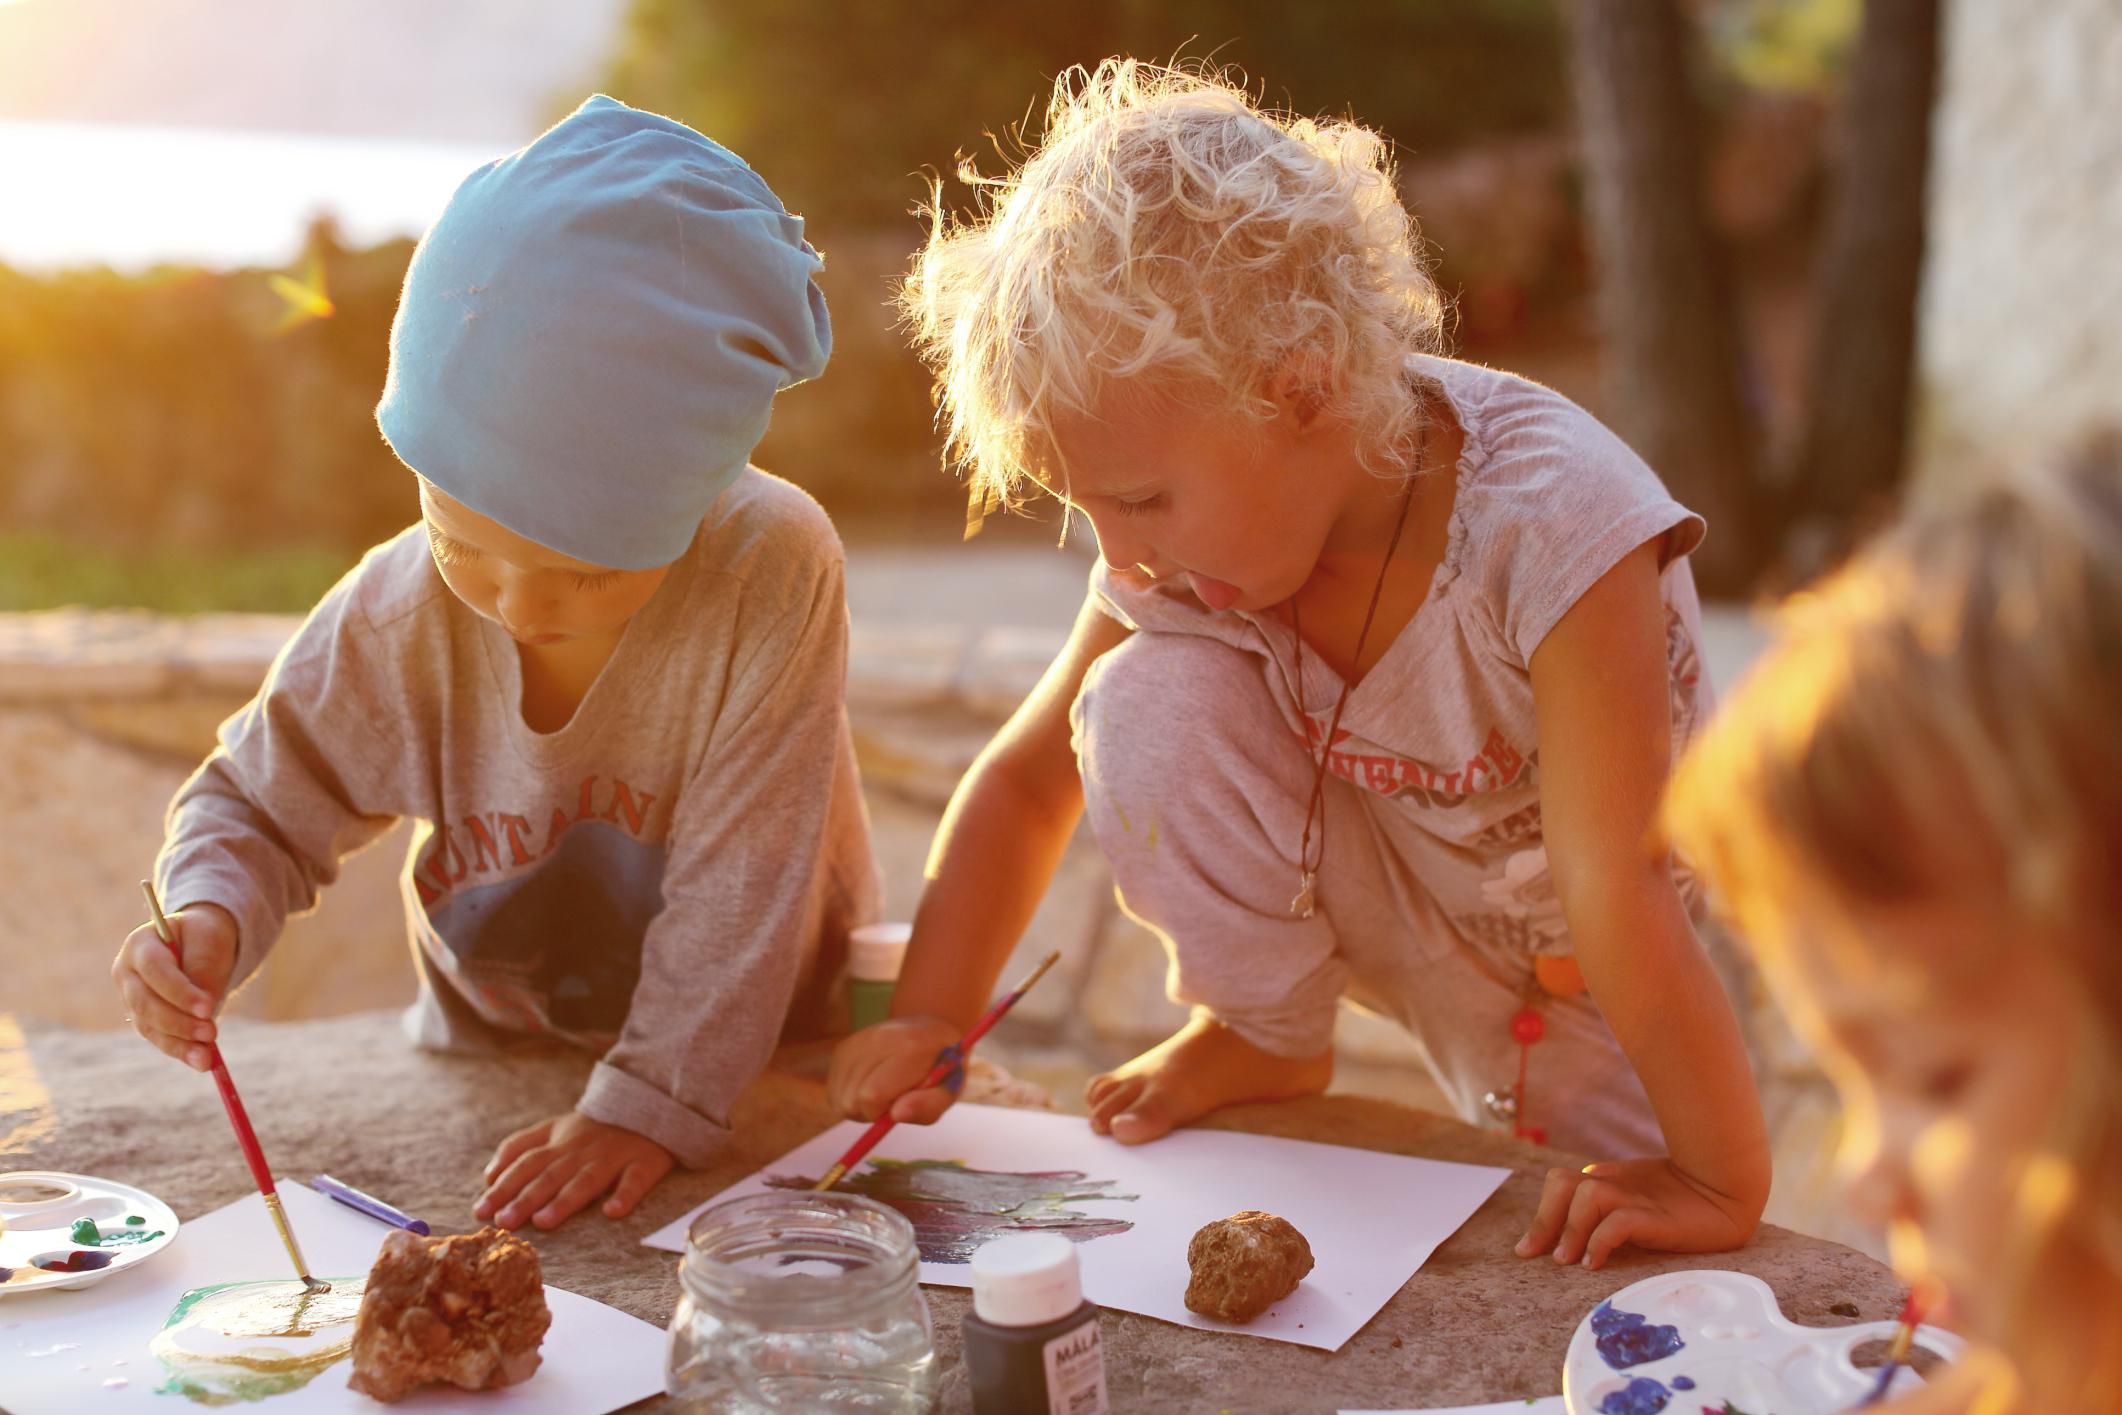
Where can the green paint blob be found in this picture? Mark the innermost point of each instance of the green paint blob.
(84, 1233)
(135, 1220)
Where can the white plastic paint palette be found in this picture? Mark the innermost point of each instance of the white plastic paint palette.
(38, 1211)
(1699, 1341)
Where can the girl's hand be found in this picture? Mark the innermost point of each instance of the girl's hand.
(171, 995)
(877, 1067)
(545, 1173)
(1653, 1203)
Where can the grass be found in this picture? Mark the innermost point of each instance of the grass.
(40, 571)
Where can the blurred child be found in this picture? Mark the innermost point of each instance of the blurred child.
(604, 673)
(1375, 688)
(1914, 810)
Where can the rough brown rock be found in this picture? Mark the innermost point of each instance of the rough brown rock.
(467, 1311)
(1244, 1264)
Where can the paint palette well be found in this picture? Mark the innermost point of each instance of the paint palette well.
(1688, 1341)
(42, 1237)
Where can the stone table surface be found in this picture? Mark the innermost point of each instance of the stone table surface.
(348, 1096)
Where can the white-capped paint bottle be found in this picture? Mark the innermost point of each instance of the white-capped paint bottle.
(1031, 1341)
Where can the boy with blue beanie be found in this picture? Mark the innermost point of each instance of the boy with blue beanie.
(604, 673)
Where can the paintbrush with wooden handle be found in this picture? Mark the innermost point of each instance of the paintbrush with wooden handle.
(245, 1136)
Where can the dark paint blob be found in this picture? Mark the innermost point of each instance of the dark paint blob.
(1644, 1396)
(135, 1220)
(87, 1260)
(1629, 1339)
(955, 1209)
(1683, 1382)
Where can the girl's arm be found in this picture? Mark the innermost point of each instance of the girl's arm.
(1001, 839)
(1602, 696)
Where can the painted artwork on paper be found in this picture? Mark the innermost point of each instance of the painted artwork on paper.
(954, 1208)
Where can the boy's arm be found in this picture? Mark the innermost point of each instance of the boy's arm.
(744, 884)
(1601, 689)
(294, 786)
(1001, 839)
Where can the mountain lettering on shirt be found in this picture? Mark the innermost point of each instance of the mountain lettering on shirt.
(487, 841)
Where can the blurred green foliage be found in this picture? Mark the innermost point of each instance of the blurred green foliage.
(181, 409)
(842, 107)
(41, 571)
(1788, 46)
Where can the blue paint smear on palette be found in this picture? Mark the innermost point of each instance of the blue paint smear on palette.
(1644, 1396)
(1683, 1382)
(1629, 1338)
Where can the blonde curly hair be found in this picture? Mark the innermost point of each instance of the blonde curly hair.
(1168, 227)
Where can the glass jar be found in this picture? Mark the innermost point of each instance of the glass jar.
(795, 1301)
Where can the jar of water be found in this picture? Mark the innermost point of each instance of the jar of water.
(795, 1301)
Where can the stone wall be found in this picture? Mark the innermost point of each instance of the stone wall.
(2022, 299)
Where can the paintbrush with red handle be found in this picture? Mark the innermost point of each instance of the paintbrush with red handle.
(245, 1136)
(1912, 1313)
(947, 1060)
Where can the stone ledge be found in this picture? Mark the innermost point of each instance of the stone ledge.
(105, 655)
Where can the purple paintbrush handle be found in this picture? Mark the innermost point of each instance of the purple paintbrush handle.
(369, 1204)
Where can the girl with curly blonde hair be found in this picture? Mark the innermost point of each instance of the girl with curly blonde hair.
(1914, 811)
(1375, 686)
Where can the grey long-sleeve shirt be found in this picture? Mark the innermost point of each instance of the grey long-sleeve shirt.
(653, 881)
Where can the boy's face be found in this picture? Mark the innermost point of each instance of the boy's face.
(1240, 508)
(1950, 1088)
(539, 596)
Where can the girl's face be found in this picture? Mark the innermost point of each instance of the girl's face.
(539, 596)
(1951, 1085)
(1240, 508)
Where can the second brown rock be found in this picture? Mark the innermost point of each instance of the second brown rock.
(1244, 1264)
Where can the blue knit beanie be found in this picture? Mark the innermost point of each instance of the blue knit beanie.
(592, 333)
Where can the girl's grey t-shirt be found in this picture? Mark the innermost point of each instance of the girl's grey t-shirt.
(653, 881)
(1440, 733)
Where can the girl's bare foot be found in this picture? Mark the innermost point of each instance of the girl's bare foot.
(1200, 1068)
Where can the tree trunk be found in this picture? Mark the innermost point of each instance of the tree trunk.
(1849, 456)
(1674, 346)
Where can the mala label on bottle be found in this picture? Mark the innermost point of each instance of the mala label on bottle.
(1075, 1373)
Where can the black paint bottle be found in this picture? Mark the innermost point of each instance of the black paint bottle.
(1031, 1342)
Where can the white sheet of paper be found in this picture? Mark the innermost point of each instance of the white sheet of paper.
(1372, 1219)
(58, 1350)
(1549, 1405)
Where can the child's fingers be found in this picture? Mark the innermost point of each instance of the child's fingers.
(924, 1107)
(1548, 1218)
(514, 1146)
(1614, 1230)
(1593, 1201)
(586, 1184)
(150, 960)
(634, 1183)
(514, 1176)
(539, 1189)
(168, 1030)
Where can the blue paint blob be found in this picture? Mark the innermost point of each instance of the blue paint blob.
(1629, 1339)
(1683, 1382)
(1644, 1396)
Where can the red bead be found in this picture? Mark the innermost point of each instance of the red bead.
(1528, 1026)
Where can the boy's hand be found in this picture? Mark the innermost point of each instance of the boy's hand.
(171, 996)
(876, 1066)
(547, 1172)
(1584, 1217)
